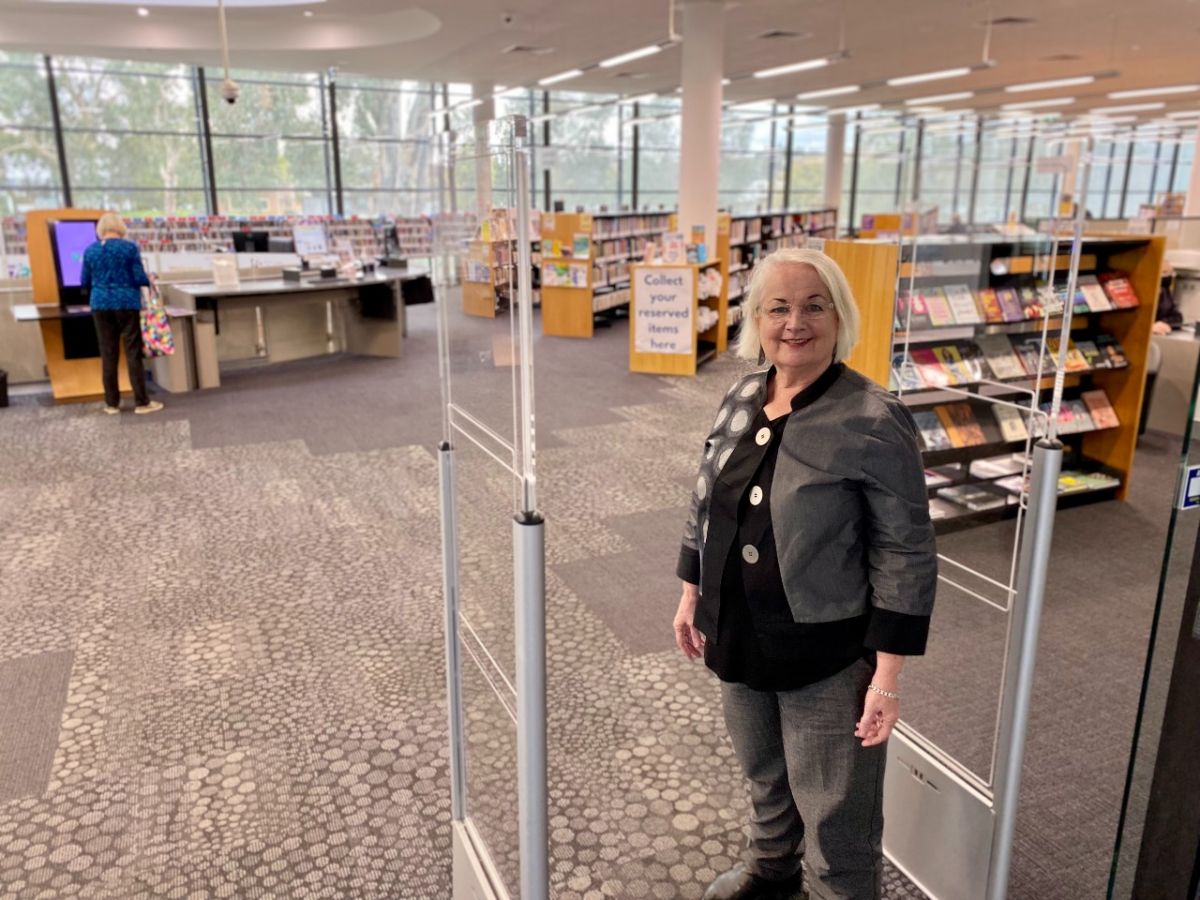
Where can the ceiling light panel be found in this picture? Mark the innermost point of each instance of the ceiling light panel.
(939, 98)
(1050, 85)
(1154, 92)
(1127, 108)
(830, 92)
(805, 66)
(630, 56)
(928, 76)
(561, 76)
(1040, 104)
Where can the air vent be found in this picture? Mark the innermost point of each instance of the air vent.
(1013, 20)
(1061, 57)
(631, 76)
(778, 35)
(530, 51)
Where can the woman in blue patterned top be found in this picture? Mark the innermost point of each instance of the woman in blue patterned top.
(114, 277)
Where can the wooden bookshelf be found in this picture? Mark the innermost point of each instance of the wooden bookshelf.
(489, 266)
(585, 266)
(1010, 263)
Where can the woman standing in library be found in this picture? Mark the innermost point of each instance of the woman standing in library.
(809, 570)
(113, 276)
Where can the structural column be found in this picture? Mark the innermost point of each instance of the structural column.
(482, 114)
(1191, 206)
(835, 160)
(700, 134)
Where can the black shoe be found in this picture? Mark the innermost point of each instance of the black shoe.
(740, 884)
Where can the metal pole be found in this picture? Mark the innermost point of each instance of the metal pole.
(64, 172)
(200, 87)
(458, 745)
(530, 597)
(524, 312)
(1023, 626)
(338, 196)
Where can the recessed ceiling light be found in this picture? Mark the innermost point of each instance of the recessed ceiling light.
(143, 12)
(850, 110)
(561, 76)
(793, 67)
(308, 14)
(1186, 114)
(940, 98)
(630, 56)
(726, 82)
(1154, 92)
(1048, 85)
(1039, 104)
(829, 92)
(1127, 108)
(928, 76)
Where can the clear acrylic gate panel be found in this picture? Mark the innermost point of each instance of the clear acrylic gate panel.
(487, 419)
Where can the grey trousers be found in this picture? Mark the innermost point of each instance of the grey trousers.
(815, 790)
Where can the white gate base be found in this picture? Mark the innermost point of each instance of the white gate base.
(937, 827)
(474, 875)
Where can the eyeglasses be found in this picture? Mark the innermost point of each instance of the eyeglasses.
(811, 311)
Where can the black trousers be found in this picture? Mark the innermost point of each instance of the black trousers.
(115, 327)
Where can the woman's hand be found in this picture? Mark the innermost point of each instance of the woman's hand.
(687, 638)
(881, 713)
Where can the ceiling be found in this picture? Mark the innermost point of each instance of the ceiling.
(1140, 45)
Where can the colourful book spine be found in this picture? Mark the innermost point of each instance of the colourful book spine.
(990, 306)
(1010, 305)
(939, 309)
(962, 304)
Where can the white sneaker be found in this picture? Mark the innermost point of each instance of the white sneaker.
(152, 406)
(112, 410)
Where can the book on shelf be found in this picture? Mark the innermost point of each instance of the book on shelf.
(989, 306)
(952, 362)
(962, 304)
(973, 361)
(1029, 349)
(1119, 289)
(1094, 481)
(1075, 361)
(1110, 348)
(960, 423)
(997, 466)
(998, 351)
(932, 372)
(1093, 294)
(943, 509)
(1010, 305)
(1011, 422)
(905, 372)
(913, 312)
(1092, 355)
(1082, 414)
(940, 476)
(933, 435)
(938, 307)
(1103, 415)
(1013, 484)
(1050, 299)
(975, 497)
(1031, 303)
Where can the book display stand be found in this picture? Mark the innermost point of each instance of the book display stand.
(487, 266)
(974, 316)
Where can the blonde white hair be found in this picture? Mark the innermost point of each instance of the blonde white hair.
(111, 223)
(749, 338)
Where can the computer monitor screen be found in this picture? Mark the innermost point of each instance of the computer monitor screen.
(310, 239)
(251, 241)
(69, 240)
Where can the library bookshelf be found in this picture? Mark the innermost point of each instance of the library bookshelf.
(1099, 460)
(586, 259)
(489, 265)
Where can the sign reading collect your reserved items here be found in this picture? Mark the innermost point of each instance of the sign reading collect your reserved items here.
(664, 309)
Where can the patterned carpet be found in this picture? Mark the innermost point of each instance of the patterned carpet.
(222, 673)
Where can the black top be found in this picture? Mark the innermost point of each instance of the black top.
(759, 644)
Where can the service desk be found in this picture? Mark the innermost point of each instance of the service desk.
(275, 319)
(72, 352)
(1171, 397)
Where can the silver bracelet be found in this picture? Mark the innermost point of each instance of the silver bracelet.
(890, 695)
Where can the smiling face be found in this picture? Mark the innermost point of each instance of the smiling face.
(797, 321)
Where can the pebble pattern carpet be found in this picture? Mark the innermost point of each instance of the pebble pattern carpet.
(250, 610)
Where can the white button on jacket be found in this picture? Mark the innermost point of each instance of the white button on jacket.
(750, 554)
(756, 495)
(763, 437)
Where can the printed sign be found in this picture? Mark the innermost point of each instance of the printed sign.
(664, 309)
(1189, 494)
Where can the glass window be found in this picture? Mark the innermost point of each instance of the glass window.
(28, 156)
(1183, 166)
(270, 150)
(808, 167)
(584, 151)
(131, 135)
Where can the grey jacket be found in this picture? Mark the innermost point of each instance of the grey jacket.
(848, 502)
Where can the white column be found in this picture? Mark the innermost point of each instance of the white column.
(700, 131)
(481, 116)
(1191, 205)
(835, 160)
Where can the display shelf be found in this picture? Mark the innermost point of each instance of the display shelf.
(1013, 263)
(489, 264)
(586, 260)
